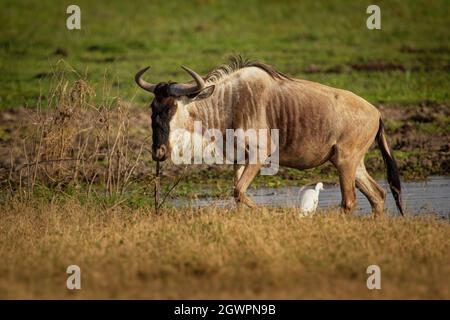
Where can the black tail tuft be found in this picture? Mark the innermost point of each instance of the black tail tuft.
(392, 170)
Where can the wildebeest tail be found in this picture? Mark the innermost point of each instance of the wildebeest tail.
(392, 170)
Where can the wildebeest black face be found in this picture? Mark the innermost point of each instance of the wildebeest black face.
(163, 109)
(164, 106)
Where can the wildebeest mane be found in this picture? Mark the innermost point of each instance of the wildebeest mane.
(237, 62)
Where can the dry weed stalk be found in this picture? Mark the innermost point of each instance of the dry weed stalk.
(74, 142)
(159, 202)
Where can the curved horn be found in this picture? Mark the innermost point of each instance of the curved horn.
(199, 80)
(183, 89)
(142, 83)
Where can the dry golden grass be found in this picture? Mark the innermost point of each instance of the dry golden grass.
(217, 253)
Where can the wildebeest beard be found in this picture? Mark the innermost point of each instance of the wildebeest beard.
(163, 108)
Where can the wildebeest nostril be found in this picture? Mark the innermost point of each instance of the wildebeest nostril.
(160, 153)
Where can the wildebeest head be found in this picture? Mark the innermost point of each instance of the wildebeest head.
(168, 96)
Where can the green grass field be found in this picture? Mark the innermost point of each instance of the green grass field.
(405, 62)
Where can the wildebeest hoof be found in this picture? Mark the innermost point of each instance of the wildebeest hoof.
(242, 199)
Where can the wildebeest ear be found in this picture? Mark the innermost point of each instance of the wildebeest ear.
(203, 94)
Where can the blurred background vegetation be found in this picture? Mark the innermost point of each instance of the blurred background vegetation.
(405, 62)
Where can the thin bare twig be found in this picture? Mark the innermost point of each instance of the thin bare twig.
(171, 188)
(157, 187)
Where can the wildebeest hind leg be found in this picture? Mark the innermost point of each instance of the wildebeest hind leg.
(373, 192)
(241, 186)
(346, 172)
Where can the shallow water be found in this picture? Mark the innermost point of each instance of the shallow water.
(432, 195)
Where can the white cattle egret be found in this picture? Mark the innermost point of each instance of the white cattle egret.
(310, 199)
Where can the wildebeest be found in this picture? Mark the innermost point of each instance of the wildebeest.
(316, 123)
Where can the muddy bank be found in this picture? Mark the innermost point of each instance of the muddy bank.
(419, 136)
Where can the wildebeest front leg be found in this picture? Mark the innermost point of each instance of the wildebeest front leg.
(241, 186)
(238, 170)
